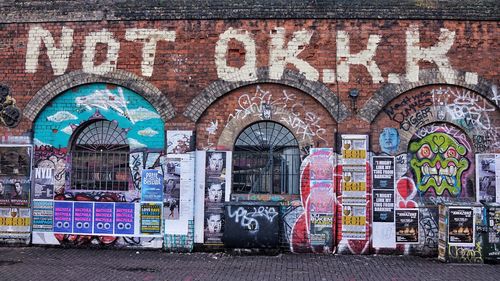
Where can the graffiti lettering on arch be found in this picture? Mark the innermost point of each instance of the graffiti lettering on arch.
(439, 161)
(285, 106)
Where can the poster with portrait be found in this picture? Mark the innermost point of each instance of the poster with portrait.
(215, 186)
(487, 186)
(15, 175)
(178, 142)
(15, 191)
(407, 226)
(461, 226)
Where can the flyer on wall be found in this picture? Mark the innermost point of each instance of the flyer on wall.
(407, 226)
(461, 226)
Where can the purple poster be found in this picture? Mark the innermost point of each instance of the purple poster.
(82, 217)
(63, 214)
(103, 218)
(124, 218)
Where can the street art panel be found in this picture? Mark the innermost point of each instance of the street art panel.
(251, 226)
(300, 113)
(64, 214)
(442, 163)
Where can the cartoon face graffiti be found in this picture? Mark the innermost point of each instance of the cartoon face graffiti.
(389, 140)
(438, 162)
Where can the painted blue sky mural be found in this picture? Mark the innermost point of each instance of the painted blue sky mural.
(66, 112)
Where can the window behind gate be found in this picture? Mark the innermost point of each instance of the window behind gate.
(266, 159)
(99, 158)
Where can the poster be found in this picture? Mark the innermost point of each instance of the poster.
(354, 222)
(321, 198)
(354, 149)
(187, 186)
(487, 186)
(15, 175)
(43, 215)
(44, 183)
(172, 187)
(14, 191)
(383, 205)
(215, 187)
(82, 217)
(152, 186)
(383, 172)
(151, 218)
(321, 163)
(15, 220)
(124, 218)
(407, 226)
(321, 229)
(353, 184)
(461, 226)
(63, 217)
(178, 142)
(103, 218)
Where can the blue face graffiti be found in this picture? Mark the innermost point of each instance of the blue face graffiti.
(389, 140)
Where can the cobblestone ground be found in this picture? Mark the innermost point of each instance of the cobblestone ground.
(90, 264)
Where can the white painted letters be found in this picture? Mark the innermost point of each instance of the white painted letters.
(364, 58)
(149, 37)
(435, 54)
(279, 56)
(58, 57)
(91, 42)
(247, 72)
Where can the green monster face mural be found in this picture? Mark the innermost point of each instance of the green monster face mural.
(438, 163)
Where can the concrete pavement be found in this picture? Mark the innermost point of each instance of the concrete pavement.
(36, 263)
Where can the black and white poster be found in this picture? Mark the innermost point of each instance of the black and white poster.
(383, 206)
(487, 186)
(407, 226)
(383, 172)
(215, 184)
(461, 226)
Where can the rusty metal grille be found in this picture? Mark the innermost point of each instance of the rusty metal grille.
(100, 158)
(266, 160)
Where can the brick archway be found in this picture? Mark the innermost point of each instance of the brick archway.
(317, 90)
(427, 77)
(119, 77)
